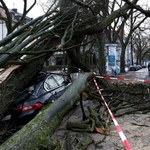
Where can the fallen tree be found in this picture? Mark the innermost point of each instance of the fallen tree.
(61, 29)
(124, 97)
(39, 130)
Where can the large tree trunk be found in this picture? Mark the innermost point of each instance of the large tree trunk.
(18, 80)
(39, 130)
(75, 57)
(122, 59)
(43, 36)
(101, 58)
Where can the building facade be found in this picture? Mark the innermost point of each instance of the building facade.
(15, 15)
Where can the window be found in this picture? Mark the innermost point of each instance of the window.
(50, 83)
(59, 79)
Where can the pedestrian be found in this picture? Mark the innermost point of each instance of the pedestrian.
(114, 72)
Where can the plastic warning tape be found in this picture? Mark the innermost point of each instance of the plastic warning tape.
(121, 79)
(118, 128)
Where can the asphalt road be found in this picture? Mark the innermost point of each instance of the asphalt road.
(140, 74)
(135, 126)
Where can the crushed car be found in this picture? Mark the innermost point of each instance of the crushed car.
(48, 88)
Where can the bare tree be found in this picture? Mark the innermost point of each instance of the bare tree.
(141, 45)
(137, 7)
(63, 28)
(125, 39)
(58, 30)
(10, 23)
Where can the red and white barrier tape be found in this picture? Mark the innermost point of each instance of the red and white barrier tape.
(118, 128)
(121, 79)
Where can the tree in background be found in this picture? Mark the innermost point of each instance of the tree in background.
(12, 24)
(71, 27)
(141, 45)
(63, 28)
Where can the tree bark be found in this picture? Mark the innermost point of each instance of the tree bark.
(44, 124)
(17, 81)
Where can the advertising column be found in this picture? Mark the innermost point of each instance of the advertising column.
(111, 58)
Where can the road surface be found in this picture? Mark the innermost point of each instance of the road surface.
(140, 74)
(135, 126)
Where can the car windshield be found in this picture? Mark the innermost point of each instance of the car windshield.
(59, 79)
(50, 83)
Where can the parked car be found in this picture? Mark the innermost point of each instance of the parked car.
(48, 88)
(139, 67)
(133, 68)
(144, 66)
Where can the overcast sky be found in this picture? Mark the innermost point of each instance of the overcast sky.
(35, 12)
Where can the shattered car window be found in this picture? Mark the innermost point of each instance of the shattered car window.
(50, 83)
(59, 79)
